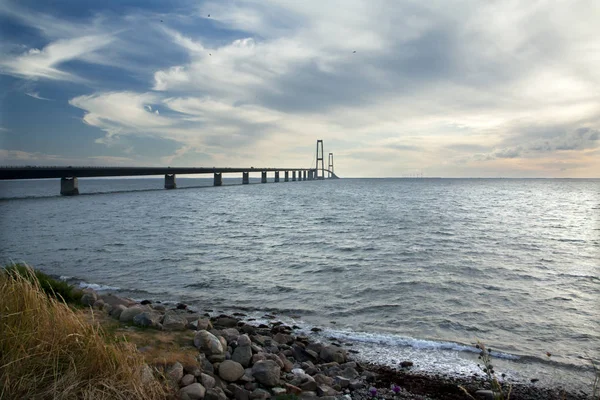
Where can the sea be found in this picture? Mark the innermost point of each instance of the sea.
(411, 269)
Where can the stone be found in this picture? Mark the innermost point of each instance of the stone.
(258, 357)
(128, 314)
(202, 324)
(187, 379)
(243, 355)
(333, 353)
(174, 322)
(323, 379)
(158, 307)
(89, 298)
(147, 375)
(278, 391)
(175, 372)
(114, 300)
(207, 381)
(230, 370)
(205, 364)
(195, 391)
(406, 364)
(341, 381)
(349, 373)
(147, 319)
(283, 338)
(486, 395)
(99, 304)
(260, 394)
(275, 358)
(356, 384)
(239, 393)
(215, 394)
(208, 343)
(324, 390)
(230, 334)
(244, 340)
(309, 386)
(224, 321)
(266, 372)
(291, 389)
(116, 311)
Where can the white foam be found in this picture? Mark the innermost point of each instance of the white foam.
(96, 287)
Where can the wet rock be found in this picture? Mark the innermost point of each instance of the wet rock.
(225, 321)
(332, 353)
(181, 306)
(144, 302)
(231, 371)
(208, 343)
(195, 391)
(406, 364)
(158, 307)
(266, 372)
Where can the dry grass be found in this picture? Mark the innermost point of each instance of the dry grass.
(48, 351)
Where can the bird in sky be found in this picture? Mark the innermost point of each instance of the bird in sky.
(208, 15)
(354, 51)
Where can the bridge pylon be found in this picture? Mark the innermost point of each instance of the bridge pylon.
(320, 158)
(330, 167)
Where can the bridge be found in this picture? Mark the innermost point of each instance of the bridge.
(69, 185)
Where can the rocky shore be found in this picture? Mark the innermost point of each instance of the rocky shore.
(237, 358)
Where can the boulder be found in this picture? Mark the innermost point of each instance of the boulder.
(99, 304)
(239, 393)
(89, 298)
(244, 340)
(128, 314)
(291, 389)
(158, 307)
(224, 321)
(266, 372)
(242, 354)
(195, 391)
(231, 371)
(259, 394)
(174, 321)
(215, 394)
(115, 311)
(282, 338)
(187, 380)
(147, 319)
(207, 381)
(146, 374)
(333, 354)
(230, 334)
(175, 372)
(208, 343)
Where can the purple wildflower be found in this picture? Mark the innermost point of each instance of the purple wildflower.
(372, 391)
(395, 388)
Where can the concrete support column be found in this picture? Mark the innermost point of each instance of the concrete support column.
(293, 176)
(287, 176)
(263, 177)
(218, 181)
(303, 175)
(170, 181)
(310, 175)
(69, 186)
(245, 178)
(276, 176)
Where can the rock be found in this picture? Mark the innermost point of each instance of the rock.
(144, 302)
(242, 354)
(147, 374)
(349, 373)
(89, 298)
(332, 353)
(283, 338)
(215, 394)
(187, 379)
(116, 311)
(128, 314)
(117, 300)
(230, 334)
(207, 381)
(147, 319)
(356, 384)
(323, 379)
(174, 322)
(195, 391)
(175, 372)
(205, 364)
(278, 391)
(341, 381)
(260, 394)
(266, 372)
(258, 357)
(486, 395)
(201, 324)
(291, 389)
(239, 393)
(324, 390)
(275, 358)
(231, 371)
(181, 306)
(406, 364)
(158, 307)
(224, 321)
(208, 343)
(309, 386)
(99, 304)
(244, 340)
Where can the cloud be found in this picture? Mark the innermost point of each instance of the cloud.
(36, 95)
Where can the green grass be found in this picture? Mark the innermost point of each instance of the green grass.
(52, 287)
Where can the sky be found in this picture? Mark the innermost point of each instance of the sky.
(495, 88)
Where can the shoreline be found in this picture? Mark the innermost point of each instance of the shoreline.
(414, 384)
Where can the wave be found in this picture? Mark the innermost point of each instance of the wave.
(97, 287)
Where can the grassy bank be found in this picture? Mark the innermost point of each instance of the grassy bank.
(49, 350)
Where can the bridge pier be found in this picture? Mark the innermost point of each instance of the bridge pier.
(293, 176)
(276, 176)
(218, 181)
(170, 181)
(69, 186)
(286, 176)
(263, 177)
(245, 178)
(303, 175)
